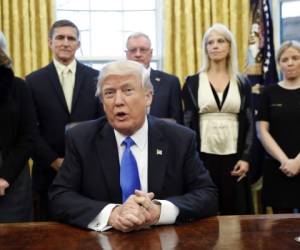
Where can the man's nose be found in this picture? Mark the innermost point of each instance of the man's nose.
(65, 41)
(138, 52)
(119, 98)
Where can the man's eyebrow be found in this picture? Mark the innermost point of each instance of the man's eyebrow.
(67, 36)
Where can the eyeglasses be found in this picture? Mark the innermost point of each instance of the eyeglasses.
(135, 50)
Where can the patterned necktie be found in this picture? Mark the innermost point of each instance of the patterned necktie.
(129, 175)
(66, 82)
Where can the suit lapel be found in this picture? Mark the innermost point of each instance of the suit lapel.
(79, 77)
(54, 79)
(155, 80)
(107, 153)
(157, 156)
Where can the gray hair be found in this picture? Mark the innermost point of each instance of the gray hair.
(124, 68)
(3, 43)
(137, 35)
(284, 46)
(232, 59)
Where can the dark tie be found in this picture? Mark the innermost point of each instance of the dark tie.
(129, 174)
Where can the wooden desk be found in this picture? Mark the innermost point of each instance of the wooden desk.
(224, 232)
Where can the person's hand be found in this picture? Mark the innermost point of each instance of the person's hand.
(3, 185)
(129, 216)
(290, 168)
(145, 200)
(56, 164)
(240, 169)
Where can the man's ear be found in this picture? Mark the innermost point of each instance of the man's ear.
(50, 42)
(151, 51)
(149, 97)
(78, 44)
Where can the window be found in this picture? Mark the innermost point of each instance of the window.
(105, 25)
(290, 20)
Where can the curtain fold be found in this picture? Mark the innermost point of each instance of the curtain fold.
(185, 24)
(25, 24)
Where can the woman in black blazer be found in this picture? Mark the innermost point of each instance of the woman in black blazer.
(217, 105)
(17, 132)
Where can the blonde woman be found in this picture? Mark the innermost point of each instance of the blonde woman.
(217, 104)
(278, 130)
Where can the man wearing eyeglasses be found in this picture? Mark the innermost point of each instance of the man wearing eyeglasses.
(64, 94)
(166, 99)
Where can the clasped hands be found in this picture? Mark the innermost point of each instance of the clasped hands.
(138, 212)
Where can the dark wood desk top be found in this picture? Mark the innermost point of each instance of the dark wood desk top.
(251, 232)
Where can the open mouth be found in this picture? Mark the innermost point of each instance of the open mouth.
(121, 115)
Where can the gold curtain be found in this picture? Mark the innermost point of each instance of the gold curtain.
(185, 24)
(25, 24)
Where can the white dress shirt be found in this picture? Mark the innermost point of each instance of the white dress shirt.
(169, 211)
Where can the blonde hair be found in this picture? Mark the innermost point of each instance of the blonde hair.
(284, 46)
(123, 68)
(232, 59)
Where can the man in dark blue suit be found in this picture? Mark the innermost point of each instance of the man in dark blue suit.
(63, 93)
(167, 95)
(90, 186)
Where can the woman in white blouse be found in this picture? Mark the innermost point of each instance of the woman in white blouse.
(217, 104)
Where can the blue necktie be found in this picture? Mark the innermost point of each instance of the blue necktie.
(129, 175)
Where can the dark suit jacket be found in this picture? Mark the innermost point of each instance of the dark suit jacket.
(167, 96)
(17, 134)
(53, 115)
(89, 178)
(17, 128)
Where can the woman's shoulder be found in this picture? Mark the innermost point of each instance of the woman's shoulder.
(271, 87)
(192, 81)
(19, 82)
(243, 79)
(18, 86)
(192, 78)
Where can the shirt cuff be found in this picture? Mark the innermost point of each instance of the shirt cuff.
(100, 222)
(168, 213)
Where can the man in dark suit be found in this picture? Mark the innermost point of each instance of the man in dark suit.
(97, 173)
(167, 95)
(64, 94)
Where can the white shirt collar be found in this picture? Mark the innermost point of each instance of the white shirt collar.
(148, 70)
(60, 67)
(139, 137)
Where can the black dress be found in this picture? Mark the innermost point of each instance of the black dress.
(17, 132)
(281, 108)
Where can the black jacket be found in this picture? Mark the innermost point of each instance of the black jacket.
(52, 115)
(245, 117)
(17, 126)
(89, 178)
